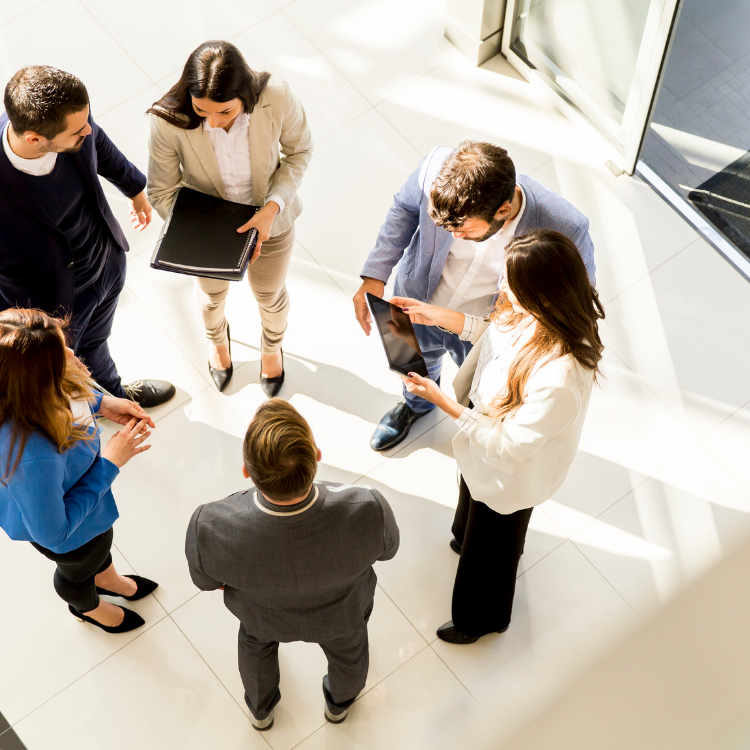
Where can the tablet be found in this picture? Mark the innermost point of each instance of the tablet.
(398, 337)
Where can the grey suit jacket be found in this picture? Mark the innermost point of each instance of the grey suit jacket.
(301, 577)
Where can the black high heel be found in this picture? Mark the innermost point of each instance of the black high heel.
(145, 587)
(131, 621)
(221, 378)
(271, 386)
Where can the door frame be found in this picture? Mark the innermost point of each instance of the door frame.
(646, 79)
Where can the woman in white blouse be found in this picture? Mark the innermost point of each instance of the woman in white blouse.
(228, 131)
(522, 397)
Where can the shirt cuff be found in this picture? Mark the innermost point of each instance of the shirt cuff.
(467, 420)
(471, 327)
(276, 197)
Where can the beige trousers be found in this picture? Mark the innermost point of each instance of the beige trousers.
(266, 277)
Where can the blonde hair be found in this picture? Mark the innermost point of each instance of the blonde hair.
(279, 451)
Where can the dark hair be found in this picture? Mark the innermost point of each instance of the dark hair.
(36, 383)
(474, 181)
(39, 98)
(279, 451)
(216, 71)
(546, 273)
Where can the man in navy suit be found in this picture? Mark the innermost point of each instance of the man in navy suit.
(447, 230)
(62, 248)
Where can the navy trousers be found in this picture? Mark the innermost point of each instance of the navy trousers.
(434, 343)
(93, 316)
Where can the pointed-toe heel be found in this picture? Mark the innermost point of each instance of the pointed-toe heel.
(131, 621)
(221, 378)
(145, 587)
(271, 386)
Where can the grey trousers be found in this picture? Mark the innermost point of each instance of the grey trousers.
(348, 664)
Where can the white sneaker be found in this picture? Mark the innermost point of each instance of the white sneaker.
(262, 725)
(335, 718)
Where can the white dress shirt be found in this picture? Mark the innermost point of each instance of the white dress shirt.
(473, 270)
(36, 167)
(232, 151)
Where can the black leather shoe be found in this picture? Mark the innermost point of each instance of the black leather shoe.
(145, 587)
(271, 386)
(221, 378)
(455, 546)
(149, 393)
(394, 427)
(131, 621)
(451, 634)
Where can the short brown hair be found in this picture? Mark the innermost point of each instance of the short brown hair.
(39, 98)
(279, 451)
(474, 181)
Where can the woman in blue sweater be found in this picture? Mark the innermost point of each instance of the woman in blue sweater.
(55, 478)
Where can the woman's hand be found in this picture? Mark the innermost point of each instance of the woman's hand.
(262, 221)
(121, 411)
(128, 442)
(430, 315)
(430, 391)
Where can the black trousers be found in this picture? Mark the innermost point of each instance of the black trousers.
(74, 576)
(93, 315)
(348, 664)
(491, 545)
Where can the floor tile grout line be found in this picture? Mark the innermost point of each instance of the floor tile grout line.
(471, 695)
(99, 115)
(403, 614)
(202, 658)
(91, 669)
(111, 36)
(609, 583)
(187, 601)
(23, 13)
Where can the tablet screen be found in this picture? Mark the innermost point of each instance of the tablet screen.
(398, 337)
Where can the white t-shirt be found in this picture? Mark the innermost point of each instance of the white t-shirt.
(472, 270)
(36, 167)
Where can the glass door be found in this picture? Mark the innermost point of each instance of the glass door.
(602, 56)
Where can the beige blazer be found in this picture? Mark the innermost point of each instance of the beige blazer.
(280, 151)
(522, 460)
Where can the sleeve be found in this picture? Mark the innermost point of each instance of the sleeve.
(49, 513)
(296, 147)
(545, 412)
(474, 327)
(582, 240)
(164, 170)
(98, 397)
(401, 222)
(391, 537)
(192, 551)
(113, 166)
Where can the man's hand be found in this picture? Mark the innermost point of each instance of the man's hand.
(262, 221)
(140, 211)
(374, 287)
(122, 411)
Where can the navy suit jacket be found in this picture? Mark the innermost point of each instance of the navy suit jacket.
(35, 256)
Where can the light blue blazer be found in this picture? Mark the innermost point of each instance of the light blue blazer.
(409, 234)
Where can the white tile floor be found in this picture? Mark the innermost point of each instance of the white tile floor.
(660, 488)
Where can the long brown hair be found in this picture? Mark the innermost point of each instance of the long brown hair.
(217, 71)
(36, 384)
(546, 273)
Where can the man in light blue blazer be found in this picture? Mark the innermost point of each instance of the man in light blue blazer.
(447, 230)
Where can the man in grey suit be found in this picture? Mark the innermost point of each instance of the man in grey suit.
(294, 558)
(447, 229)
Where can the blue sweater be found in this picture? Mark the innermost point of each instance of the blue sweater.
(58, 500)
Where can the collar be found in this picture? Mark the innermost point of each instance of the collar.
(510, 229)
(35, 167)
(240, 122)
(288, 510)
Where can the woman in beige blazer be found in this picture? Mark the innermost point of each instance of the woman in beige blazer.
(522, 397)
(228, 131)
